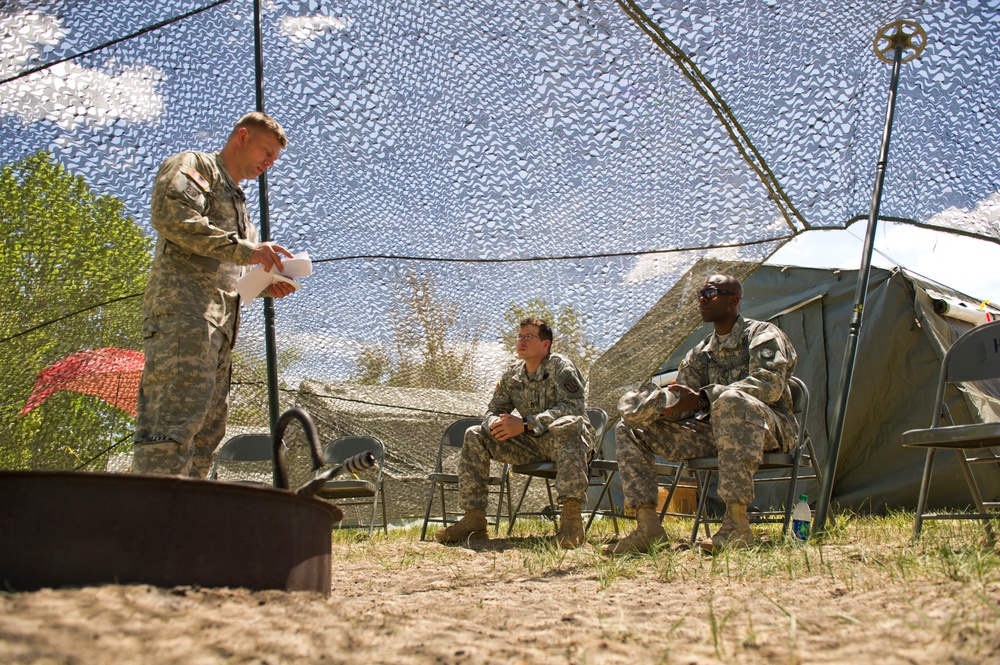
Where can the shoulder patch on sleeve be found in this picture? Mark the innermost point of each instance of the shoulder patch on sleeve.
(198, 178)
(571, 385)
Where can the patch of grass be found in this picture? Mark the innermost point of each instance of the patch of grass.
(858, 553)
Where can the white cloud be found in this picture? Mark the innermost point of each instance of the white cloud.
(985, 217)
(306, 29)
(650, 266)
(962, 263)
(67, 94)
(22, 35)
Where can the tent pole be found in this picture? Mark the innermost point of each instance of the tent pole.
(265, 231)
(897, 42)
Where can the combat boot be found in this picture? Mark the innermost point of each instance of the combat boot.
(472, 525)
(647, 534)
(734, 532)
(570, 534)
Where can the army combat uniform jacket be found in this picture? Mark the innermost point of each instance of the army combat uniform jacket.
(757, 359)
(205, 237)
(554, 390)
(551, 401)
(190, 314)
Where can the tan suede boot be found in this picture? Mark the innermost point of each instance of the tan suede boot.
(570, 534)
(734, 532)
(472, 525)
(647, 534)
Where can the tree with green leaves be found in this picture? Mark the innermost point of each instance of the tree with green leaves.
(427, 352)
(73, 267)
(567, 330)
(248, 393)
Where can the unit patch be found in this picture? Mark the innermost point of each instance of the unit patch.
(571, 385)
(198, 178)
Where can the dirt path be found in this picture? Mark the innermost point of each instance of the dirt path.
(406, 602)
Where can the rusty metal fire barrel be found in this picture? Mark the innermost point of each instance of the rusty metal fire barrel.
(74, 529)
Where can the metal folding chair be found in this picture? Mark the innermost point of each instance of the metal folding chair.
(975, 356)
(787, 466)
(357, 491)
(243, 450)
(547, 470)
(452, 440)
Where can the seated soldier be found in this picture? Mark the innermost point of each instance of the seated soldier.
(547, 391)
(732, 400)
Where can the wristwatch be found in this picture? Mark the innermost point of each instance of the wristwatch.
(703, 403)
(527, 425)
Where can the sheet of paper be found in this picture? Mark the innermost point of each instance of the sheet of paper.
(253, 283)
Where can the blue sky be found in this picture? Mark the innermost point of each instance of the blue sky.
(546, 133)
(966, 264)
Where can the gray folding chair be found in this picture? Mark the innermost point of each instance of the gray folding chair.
(668, 476)
(975, 356)
(597, 475)
(243, 450)
(357, 491)
(452, 440)
(787, 465)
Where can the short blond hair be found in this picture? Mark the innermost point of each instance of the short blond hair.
(261, 120)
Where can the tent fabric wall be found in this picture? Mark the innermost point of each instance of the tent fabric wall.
(900, 349)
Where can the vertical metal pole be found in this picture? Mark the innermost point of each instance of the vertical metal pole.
(850, 353)
(265, 232)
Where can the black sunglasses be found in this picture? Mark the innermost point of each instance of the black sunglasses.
(711, 292)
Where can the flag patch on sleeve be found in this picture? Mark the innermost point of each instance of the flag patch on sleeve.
(198, 178)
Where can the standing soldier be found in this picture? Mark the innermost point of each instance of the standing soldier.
(547, 391)
(732, 400)
(191, 307)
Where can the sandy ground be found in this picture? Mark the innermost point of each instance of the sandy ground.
(516, 601)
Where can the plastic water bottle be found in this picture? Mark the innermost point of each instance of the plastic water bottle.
(801, 518)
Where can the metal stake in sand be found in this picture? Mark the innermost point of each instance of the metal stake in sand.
(896, 43)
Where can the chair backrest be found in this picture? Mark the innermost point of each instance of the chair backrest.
(800, 406)
(599, 421)
(974, 356)
(454, 434)
(340, 450)
(800, 395)
(246, 448)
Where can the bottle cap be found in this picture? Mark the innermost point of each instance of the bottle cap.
(803, 497)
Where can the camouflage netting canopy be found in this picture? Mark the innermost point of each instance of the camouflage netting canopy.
(453, 165)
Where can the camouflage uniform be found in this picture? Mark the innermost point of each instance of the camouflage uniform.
(744, 377)
(551, 400)
(190, 314)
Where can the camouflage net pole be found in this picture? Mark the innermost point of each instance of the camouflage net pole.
(270, 346)
(894, 38)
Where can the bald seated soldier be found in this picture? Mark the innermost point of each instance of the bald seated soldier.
(732, 401)
(190, 311)
(547, 391)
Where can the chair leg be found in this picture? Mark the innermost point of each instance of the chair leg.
(444, 507)
(977, 496)
(814, 461)
(513, 516)
(552, 503)
(702, 488)
(371, 522)
(385, 521)
(427, 515)
(503, 475)
(600, 499)
(792, 481)
(925, 485)
(670, 492)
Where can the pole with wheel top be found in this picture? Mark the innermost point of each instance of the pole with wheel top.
(895, 43)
